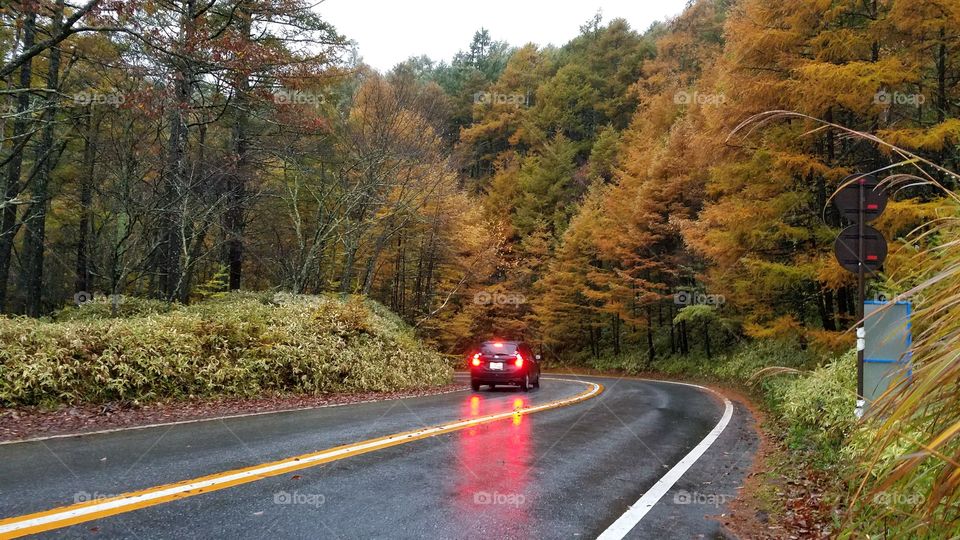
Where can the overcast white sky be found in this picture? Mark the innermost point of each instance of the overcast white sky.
(390, 31)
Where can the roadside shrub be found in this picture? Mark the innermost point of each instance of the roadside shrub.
(238, 345)
(746, 361)
(630, 364)
(817, 407)
(736, 366)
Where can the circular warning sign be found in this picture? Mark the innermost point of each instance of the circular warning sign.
(847, 200)
(874, 249)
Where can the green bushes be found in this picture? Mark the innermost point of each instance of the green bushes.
(817, 407)
(239, 345)
(737, 366)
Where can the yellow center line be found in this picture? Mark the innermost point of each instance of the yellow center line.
(73, 514)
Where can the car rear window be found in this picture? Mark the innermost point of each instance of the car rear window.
(497, 347)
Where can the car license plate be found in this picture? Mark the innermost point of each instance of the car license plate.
(496, 365)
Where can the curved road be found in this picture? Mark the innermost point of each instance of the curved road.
(565, 472)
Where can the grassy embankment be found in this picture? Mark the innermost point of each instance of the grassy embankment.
(239, 345)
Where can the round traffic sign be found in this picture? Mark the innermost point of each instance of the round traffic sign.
(847, 200)
(874, 249)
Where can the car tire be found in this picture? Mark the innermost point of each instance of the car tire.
(525, 383)
(475, 386)
(536, 383)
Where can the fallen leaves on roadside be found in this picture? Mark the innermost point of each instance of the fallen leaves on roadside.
(28, 422)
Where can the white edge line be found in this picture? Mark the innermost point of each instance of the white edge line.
(451, 426)
(625, 523)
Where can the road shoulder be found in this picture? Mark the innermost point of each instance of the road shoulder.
(703, 499)
(29, 423)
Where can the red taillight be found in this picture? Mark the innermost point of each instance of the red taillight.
(476, 359)
(519, 362)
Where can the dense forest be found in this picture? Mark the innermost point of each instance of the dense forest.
(598, 198)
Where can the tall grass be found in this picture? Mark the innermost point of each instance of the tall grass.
(907, 451)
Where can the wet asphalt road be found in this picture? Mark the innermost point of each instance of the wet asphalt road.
(562, 473)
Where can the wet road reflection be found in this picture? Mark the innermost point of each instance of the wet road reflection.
(494, 468)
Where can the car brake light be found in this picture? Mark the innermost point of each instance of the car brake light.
(476, 359)
(519, 362)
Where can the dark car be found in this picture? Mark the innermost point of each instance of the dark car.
(504, 362)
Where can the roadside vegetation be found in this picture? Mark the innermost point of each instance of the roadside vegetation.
(239, 345)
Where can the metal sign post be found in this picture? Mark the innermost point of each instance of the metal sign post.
(861, 249)
(862, 296)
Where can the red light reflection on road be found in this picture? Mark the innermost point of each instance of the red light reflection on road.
(494, 467)
(518, 404)
(474, 406)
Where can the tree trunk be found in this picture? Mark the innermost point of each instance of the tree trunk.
(706, 338)
(400, 279)
(827, 310)
(427, 300)
(346, 278)
(82, 282)
(352, 245)
(233, 219)
(684, 344)
(847, 306)
(651, 351)
(176, 174)
(36, 216)
(943, 104)
(673, 331)
(418, 295)
(189, 269)
(616, 335)
(8, 216)
(371, 265)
